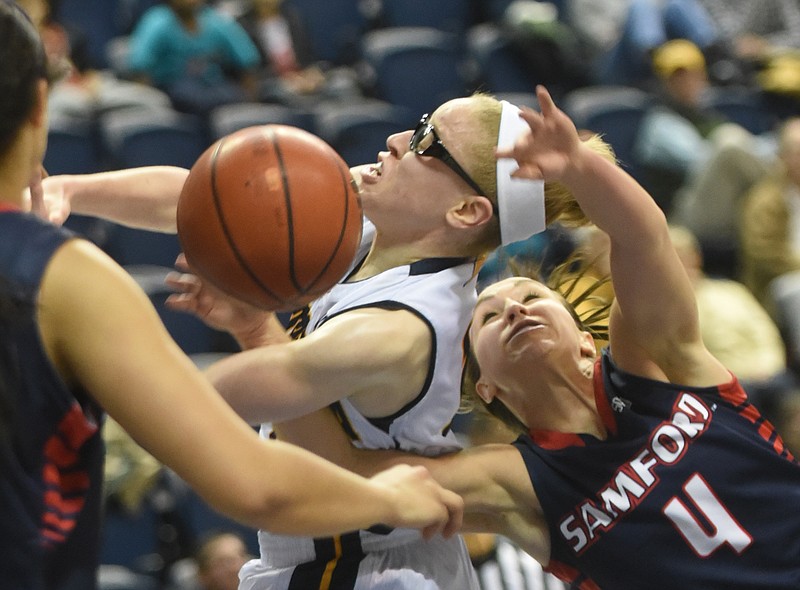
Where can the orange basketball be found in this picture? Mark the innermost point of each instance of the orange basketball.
(270, 215)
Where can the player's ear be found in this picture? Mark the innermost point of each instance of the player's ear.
(471, 211)
(588, 346)
(486, 391)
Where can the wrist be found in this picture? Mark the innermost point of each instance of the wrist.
(264, 330)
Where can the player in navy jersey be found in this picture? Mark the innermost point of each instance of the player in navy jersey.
(642, 467)
(79, 338)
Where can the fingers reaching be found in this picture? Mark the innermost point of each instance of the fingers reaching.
(546, 104)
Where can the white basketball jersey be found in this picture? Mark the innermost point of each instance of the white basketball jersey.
(442, 293)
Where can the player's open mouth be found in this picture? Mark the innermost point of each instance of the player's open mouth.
(522, 327)
(376, 169)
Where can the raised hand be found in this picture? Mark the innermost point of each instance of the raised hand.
(421, 502)
(547, 150)
(250, 325)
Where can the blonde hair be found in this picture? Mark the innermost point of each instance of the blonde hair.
(560, 204)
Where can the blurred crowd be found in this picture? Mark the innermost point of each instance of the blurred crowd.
(714, 133)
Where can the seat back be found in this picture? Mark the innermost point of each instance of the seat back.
(744, 106)
(500, 67)
(359, 131)
(226, 119)
(615, 112)
(332, 28)
(148, 137)
(414, 67)
(190, 333)
(454, 16)
(98, 21)
(72, 147)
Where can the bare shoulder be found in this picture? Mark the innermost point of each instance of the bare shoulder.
(388, 353)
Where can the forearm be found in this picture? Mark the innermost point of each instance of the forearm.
(289, 505)
(263, 385)
(145, 198)
(613, 200)
(485, 502)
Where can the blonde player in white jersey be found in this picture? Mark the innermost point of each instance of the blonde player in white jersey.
(385, 346)
(391, 348)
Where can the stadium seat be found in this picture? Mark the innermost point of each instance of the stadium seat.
(415, 67)
(615, 112)
(191, 334)
(332, 28)
(500, 67)
(359, 131)
(127, 538)
(744, 106)
(98, 21)
(146, 136)
(71, 147)
(231, 117)
(119, 577)
(454, 16)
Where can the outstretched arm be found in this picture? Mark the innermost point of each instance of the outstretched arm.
(156, 394)
(145, 198)
(378, 359)
(492, 479)
(655, 314)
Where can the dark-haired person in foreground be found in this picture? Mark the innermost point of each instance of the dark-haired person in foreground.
(78, 338)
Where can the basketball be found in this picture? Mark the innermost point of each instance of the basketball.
(270, 215)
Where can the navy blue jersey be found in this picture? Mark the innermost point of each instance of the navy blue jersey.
(50, 477)
(691, 489)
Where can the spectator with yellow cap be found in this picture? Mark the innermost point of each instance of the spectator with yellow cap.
(696, 162)
(619, 35)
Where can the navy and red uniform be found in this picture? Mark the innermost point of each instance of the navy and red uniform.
(691, 489)
(50, 477)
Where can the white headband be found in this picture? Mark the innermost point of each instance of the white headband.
(520, 202)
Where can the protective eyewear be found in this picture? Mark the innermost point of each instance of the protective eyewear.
(425, 142)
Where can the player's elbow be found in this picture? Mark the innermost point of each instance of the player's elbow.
(269, 508)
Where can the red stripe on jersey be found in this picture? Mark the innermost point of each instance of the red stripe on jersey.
(74, 482)
(76, 428)
(570, 575)
(51, 537)
(732, 391)
(58, 503)
(58, 453)
(750, 413)
(56, 523)
(548, 439)
(601, 399)
(67, 484)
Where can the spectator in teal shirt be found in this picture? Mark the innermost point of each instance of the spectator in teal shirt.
(197, 55)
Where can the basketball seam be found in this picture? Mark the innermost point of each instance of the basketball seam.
(229, 236)
(339, 241)
(287, 195)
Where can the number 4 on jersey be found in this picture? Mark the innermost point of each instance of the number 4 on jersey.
(721, 527)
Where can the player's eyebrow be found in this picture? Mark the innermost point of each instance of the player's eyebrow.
(487, 297)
